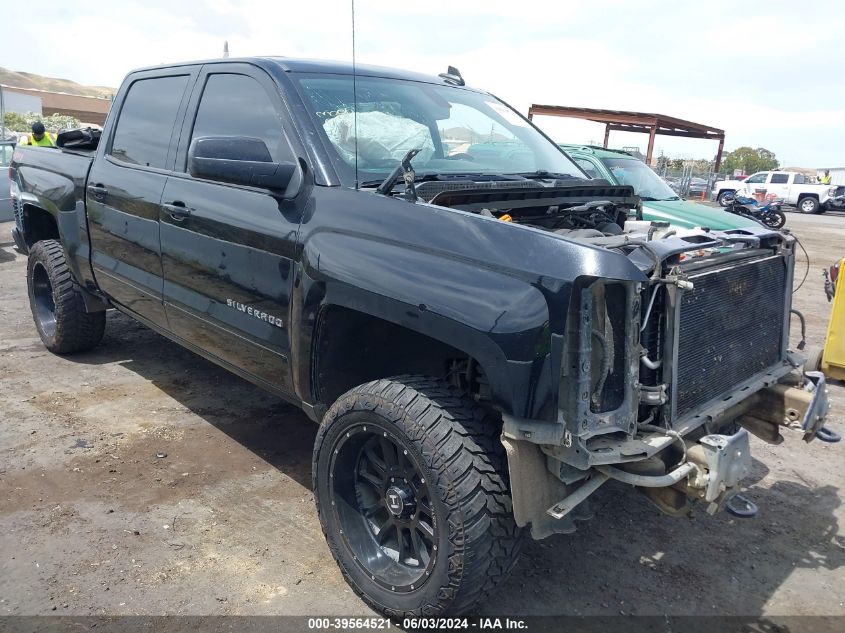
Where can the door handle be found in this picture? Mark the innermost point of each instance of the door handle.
(98, 191)
(177, 210)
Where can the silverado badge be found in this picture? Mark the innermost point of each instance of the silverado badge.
(258, 314)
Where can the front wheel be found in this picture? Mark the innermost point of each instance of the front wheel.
(412, 493)
(808, 205)
(57, 304)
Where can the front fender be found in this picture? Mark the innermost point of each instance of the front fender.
(498, 292)
(500, 321)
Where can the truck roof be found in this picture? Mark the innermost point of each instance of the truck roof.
(313, 66)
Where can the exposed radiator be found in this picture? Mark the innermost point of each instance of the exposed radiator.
(730, 329)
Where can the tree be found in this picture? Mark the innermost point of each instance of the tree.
(749, 160)
(17, 122)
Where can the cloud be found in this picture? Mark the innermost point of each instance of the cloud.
(763, 71)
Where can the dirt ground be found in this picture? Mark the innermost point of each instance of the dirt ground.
(93, 522)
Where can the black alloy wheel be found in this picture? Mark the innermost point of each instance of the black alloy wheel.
(384, 509)
(43, 306)
(410, 480)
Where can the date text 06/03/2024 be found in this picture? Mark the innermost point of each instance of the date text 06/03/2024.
(488, 624)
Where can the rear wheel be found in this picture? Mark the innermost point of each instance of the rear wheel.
(724, 198)
(57, 304)
(412, 494)
(774, 219)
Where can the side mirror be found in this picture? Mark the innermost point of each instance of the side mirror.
(239, 160)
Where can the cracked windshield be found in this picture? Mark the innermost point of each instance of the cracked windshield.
(458, 131)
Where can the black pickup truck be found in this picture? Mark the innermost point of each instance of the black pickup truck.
(484, 335)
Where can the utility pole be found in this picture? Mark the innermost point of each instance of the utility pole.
(2, 115)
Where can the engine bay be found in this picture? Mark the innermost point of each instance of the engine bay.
(584, 211)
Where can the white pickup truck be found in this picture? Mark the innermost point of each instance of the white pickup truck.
(789, 186)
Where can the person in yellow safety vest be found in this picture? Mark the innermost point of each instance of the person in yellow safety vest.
(39, 136)
(825, 180)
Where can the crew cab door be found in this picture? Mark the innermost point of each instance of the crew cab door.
(228, 250)
(125, 186)
(779, 185)
(754, 181)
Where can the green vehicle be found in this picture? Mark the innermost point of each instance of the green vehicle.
(659, 201)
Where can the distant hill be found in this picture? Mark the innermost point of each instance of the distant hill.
(20, 79)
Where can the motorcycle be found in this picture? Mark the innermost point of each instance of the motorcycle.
(769, 214)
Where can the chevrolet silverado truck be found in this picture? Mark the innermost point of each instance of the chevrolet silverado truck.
(789, 186)
(483, 338)
(660, 203)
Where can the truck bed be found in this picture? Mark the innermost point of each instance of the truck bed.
(70, 164)
(54, 180)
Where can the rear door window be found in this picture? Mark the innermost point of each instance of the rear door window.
(780, 179)
(145, 125)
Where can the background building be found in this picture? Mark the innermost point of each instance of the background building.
(837, 174)
(91, 110)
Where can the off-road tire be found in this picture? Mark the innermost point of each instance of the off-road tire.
(57, 304)
(459, 451)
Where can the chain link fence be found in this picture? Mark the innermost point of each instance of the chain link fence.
(690, 181)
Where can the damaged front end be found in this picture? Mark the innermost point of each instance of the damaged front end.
(661, 383)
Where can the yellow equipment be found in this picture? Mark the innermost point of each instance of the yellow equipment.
(831, 360)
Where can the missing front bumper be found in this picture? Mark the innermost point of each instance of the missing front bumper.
(803, 406)
(548, 493)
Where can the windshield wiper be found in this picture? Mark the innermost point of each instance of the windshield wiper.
(651, 199)
(404, 170)
(447, 176)
(542, 173)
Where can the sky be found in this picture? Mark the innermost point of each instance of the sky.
(767, 72)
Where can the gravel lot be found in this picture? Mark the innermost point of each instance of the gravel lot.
(92, 522)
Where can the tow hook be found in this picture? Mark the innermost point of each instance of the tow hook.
(826, 435)
(741, 507)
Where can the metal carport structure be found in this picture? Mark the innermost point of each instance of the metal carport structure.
(645, 122)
